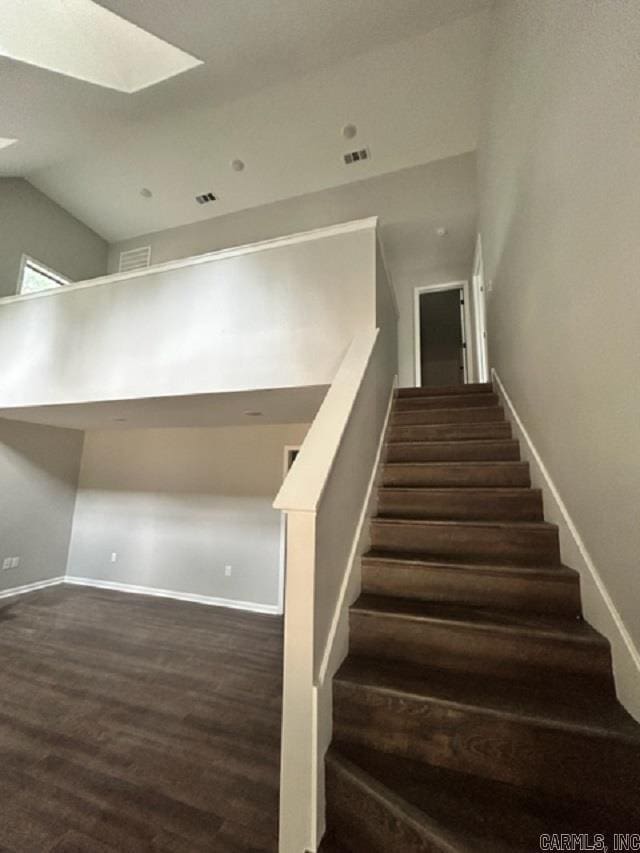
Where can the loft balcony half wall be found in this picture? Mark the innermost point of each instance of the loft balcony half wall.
(273, 315)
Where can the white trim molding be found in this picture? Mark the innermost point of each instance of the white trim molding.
(478, 290)
(193, 598)
(467, 353)
(30, 587)
(598, 606)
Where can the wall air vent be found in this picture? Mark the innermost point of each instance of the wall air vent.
(135, 259)
(205, 198)
(357, 156)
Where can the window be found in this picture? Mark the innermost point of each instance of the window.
(35, 277)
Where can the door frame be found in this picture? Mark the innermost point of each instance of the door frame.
(480, 314)
(286, 465)
(465, 325)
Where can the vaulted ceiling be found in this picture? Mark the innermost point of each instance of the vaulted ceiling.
(279, 80)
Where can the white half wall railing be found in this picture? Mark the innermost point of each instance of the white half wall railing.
(327, 497)
(275, 314)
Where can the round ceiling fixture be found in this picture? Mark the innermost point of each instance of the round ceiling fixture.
(441, 232)
(349, 131)
(145, 192)
(237, 165)
(252, 414)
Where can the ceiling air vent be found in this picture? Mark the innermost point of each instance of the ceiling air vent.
(205, 198)
(135, 259)
(357, 156)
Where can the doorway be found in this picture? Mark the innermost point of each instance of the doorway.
(441, 334)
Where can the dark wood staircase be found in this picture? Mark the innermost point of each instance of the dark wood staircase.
(476, 709)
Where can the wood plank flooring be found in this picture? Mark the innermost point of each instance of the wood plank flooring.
(131, 723)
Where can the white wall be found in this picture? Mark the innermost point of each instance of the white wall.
(282, 316)
(560, 220)
(411, 204)
(34, 225)
(178, 505)
(38, 471)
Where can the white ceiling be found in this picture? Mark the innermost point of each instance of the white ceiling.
(279, 79)
(278, 406)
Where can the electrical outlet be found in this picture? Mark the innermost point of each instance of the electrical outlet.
(6, 564)
(114, 556)
(227, 571)
(15, 562)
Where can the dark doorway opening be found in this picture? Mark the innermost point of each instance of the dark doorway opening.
(442, 345)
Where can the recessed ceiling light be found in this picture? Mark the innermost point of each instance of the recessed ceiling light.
(251, 414)
(237, 165)
(349, 131)
(82, 39)
(5, 143)
(145, 192)
(441, 232)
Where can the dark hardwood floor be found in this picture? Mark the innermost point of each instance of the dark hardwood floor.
(131, 723)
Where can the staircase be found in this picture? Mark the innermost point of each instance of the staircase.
(476, 709)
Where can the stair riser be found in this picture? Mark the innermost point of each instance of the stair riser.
(494, 590)
(468, 414)
(469, 649)
(513, 544)
(453, 390)
(521, 751)
(462, 504)
(450, 432)
(364, 820)
(515, 474)
(455, 451)
(451, 401)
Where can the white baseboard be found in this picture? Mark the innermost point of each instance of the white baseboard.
(271, 609)
(598, 606)
(30, 587)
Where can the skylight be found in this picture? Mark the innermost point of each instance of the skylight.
(81, 39)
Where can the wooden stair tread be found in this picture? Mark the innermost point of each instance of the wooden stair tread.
(551, 703)
(495, 566)
(480, 463)
(467, 523)
(434, 442)
(469, 617)
(494, 408)
(483, 813)
(446, 401)
(481, 491)
(437, 390)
